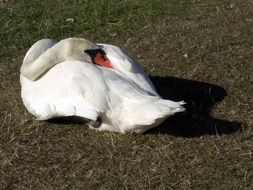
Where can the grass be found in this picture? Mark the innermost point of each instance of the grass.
(208, 147)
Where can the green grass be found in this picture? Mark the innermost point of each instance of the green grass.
(208, 147)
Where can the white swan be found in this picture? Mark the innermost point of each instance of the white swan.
(96, 82)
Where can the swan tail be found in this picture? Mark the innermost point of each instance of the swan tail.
(153, 113)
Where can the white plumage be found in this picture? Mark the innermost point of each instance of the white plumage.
(122, 97)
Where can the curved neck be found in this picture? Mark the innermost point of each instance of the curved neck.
(66, 50)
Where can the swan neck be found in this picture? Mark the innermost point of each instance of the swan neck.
(66, 50)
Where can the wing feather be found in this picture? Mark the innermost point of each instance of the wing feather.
(69, 88)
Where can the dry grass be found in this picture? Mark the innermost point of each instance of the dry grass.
(208, 147)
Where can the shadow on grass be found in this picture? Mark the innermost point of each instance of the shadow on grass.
(195, 121)
(200, 98)
(68, 120)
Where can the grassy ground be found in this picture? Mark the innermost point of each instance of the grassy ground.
(196, 50)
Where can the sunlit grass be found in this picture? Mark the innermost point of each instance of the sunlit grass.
(197, 41)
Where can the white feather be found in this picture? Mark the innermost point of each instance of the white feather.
(123, 97)
(128, 66)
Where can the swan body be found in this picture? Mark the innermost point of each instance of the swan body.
(121, 98)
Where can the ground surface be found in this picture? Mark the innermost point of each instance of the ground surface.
(196, 50)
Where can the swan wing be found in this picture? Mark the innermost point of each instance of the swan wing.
(71, 88)
(128, 67)
(143, 109)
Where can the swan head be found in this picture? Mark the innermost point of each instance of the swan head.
(98, 57)
(84, 50)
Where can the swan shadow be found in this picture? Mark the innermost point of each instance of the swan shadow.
(66, 120)
(200, 97)
(196, 121)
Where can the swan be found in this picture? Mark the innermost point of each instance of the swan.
(98, 83)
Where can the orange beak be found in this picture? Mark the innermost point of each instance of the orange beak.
(102, 60)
